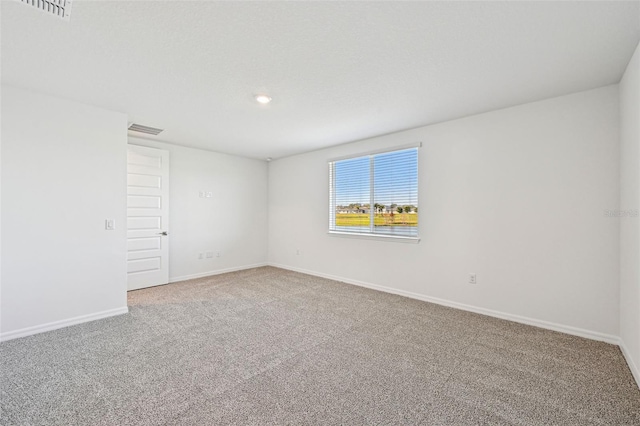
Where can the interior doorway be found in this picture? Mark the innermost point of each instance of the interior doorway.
(147, 217)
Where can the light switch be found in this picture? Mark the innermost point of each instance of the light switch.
(109, 224)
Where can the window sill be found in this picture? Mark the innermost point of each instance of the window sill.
(376, 237)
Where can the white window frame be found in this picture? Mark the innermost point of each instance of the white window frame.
(369, 235)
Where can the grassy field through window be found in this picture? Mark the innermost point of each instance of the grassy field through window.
(387, 219)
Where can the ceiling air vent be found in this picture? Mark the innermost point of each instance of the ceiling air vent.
(144, 129)
(59, 8)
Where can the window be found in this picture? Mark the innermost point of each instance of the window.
(375, 194)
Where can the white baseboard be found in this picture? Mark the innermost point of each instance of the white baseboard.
(575, 331)
(28, 331)
(216, 272)
(632, 365)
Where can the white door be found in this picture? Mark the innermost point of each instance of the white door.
(147, 217)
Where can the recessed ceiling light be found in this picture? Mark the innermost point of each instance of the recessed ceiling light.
(263, 99)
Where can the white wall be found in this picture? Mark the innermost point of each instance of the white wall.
(629, 201)
(63, 174)
(1, 90)
(233, 221)
(516, 195)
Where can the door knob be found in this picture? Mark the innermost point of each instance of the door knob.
(163, 233)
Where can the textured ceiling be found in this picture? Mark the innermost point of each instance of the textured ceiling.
(337, 71)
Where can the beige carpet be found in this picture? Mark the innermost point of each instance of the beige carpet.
(268, 346)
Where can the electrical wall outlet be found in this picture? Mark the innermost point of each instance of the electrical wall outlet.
(209, 254)
(472, 279)
(200, 256)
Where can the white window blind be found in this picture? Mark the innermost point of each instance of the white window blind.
(375, 194)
